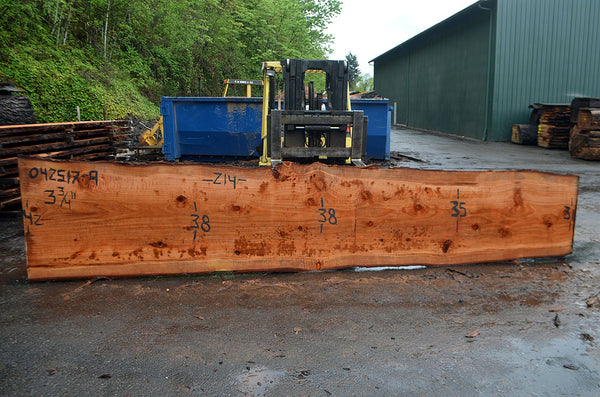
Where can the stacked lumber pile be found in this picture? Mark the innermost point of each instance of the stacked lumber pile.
(548, 127)
(85, 140)
(584, 139)
(554, 126)
(575, 127)
(582, 102)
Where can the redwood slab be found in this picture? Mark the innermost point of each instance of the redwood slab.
(87, 219)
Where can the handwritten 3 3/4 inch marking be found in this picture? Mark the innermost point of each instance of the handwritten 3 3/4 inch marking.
(54, 195)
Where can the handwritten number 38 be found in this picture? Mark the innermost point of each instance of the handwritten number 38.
(331, 212)
(205, 225)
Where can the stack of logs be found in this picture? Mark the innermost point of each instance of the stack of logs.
(85, 140)
(548, 127)
(575, 127)
(585, 134)
(554, 126)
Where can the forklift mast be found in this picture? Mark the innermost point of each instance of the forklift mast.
(336, 83)
(307, 128)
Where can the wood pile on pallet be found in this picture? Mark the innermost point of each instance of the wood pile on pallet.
(584, 140)
(549, 126)
(85, 140)
(554, 126)
(575, 127)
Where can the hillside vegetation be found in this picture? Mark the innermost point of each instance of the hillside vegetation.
(117, 58)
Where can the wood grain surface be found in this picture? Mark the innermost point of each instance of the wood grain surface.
(86, 219)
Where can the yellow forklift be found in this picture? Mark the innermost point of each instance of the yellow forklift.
(311, 126)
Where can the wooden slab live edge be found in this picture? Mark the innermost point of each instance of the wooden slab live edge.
(85, 219)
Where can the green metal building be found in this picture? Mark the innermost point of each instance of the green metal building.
(476, 73)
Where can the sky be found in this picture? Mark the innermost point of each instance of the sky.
(368, 28)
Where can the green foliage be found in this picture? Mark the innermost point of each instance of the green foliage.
(364, 83)
(122, 56)
(318, 79)
(59, 80)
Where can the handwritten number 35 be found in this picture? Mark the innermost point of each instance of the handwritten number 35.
(458, 211)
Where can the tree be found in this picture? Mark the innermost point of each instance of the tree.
(122, 56)
(353, 70)
(364, 83)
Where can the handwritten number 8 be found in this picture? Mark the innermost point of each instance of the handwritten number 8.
(205, 225)
(332, 218)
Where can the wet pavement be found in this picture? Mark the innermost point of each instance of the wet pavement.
(526, 327)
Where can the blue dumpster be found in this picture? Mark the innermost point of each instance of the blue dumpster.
(378, 128)
(215, 128)
(211, 128)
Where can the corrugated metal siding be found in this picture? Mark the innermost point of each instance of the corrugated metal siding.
(546, 51)
(439, 83)
(391, 82)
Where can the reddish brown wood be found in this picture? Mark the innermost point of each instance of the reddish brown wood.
(128, 220)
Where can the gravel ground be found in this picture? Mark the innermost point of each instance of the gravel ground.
(528, 327)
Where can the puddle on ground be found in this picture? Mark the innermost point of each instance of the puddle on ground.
(556, 366)
(382, 268)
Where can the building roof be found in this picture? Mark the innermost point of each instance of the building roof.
(462, 16)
